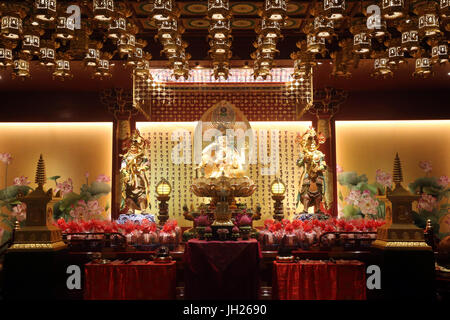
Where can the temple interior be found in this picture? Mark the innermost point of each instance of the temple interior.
(224, 150)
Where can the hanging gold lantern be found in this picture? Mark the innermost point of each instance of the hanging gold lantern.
(269, 28)
(117, 27)
(126, 43)
(12, 26)
(6, 54)
(395, 53)
(142, 70)
(361, 38)
(323, 27)
(444, 8)
(21, 68)
(392, 9)
(219, 29)
(315, 44)
(62, 68)
(219, 9)
(103, 9)
(92, 53)
(65, 27)
(410, 35)
(221, 70)
(381, 66)
(427, 12)
(103, 68)
(48, 53)
(268, 45)
(220, 46)
(138, 54)
(45, 10)
(31, 40)
(92, 57)
(163, 10)
(423, 66)
(303, 64)
(334, 9)
(275, 10)
(169, 29)
(444, 11)
(439, 52)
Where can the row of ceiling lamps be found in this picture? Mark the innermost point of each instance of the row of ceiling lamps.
(388, 36)
(56, 34)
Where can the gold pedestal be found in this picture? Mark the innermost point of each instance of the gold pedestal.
(223, 190)
(222, 215)
(38, 238)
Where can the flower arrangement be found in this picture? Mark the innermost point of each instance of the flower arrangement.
(306, 233)
(145, 232)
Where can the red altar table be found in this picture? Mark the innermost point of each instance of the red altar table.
(138, 281)
(216, 270)
(319, 280)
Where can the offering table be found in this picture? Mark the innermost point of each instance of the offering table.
(222, 269)
(319, 280)
(133, 281)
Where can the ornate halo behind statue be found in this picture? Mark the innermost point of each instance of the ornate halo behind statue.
(223, 146)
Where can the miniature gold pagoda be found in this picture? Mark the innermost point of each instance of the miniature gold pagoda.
(38, 234)
(399, 232)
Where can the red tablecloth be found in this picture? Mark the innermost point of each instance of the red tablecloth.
(222, 269)
(319, 280)
(151, 281)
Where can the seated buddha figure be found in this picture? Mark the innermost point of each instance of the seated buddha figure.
(220, 159)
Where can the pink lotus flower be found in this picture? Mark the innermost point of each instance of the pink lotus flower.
(427, 202)
(425, 166)
(339, 169)
(353, 197)
(86, 210)
(21, 181)
(65, 187)
(368, 206)
(5, 158)
(103, 178)
(384, 178)
(443, 181)
(20, 211)
(86, 174)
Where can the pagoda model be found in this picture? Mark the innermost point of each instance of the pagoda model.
(399, 232)
(38, 234)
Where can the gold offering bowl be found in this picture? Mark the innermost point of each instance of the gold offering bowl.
(223, 190)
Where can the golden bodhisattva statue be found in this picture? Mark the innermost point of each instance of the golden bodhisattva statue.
(312, 161)
(134, 170)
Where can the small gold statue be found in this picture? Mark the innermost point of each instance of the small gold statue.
(313, 163)
(134, 180)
